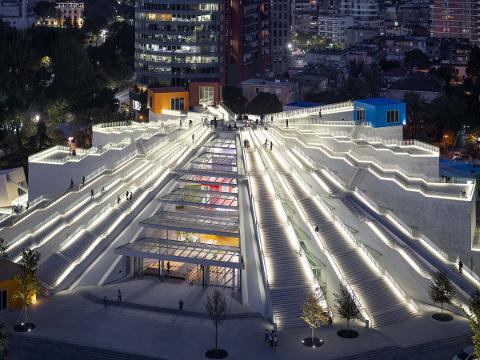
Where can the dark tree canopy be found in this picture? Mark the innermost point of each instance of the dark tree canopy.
(416, 58)
(264, 103)
(234, 99)
(44, 9)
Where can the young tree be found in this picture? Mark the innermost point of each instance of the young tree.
(217, 309)
(27, 280)
(234, 99)
(441, 291)
(474, 319)
(346, 306)
(313, 313)
(3, 248)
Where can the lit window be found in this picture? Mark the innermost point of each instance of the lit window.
(392, 116)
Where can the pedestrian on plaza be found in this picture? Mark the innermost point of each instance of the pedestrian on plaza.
(71, 183)
(126, 195)
(131, 194)
(83, 181)
(330, 320)
(119, 297)
(118, 199)
(168, 266)
(320, 113)
(180, 122)
(102, 191)
(190, 123)
(266, 335)
(317, 229)
(460, 266)
(265, 128)
(271, 119)
(180, 305)
(105, 302)
(286, 123)
(28, 205)
(193, 138)
(271, 145)
(275, 339)
(270, 339)
(266, 142)
(91, 194)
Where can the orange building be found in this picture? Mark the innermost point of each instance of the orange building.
(8, 285)
(168, 98)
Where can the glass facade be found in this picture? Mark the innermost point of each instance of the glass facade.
(178, 42)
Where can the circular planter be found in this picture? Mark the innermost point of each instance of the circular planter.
(442, 317)
(24, 327)
(347, 334)
(216, 354)
(313, 343)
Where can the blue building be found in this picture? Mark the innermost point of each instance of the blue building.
(379, 112)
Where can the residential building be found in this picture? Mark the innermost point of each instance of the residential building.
(70, 12)
(456, 19)
(364, 12)
(359, 34)
(167, 99)
(328, 57)
(427, 86)
(250, 40)
(16, 13)
(280, 35)
(286, 90)
(334, 28)
(397, 46)
(304, 17)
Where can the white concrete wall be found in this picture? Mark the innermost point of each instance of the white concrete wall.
(52, 179)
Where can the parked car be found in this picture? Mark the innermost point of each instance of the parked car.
(466, 354)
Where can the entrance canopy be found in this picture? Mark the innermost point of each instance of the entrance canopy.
(183, 251)
(194, 197)
(187, 222)
(216, 159)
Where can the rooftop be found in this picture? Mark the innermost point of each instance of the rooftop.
(167, 89)
(378, 101)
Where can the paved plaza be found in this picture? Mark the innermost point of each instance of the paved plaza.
(71, 317)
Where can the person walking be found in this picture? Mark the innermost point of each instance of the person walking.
(193, 138)
(266, 142)
(83, 181)
(118, 199)
(275, 339)
(271, 145)
(105, 302)
(131, 194)
(102, 191)
(71, 183)
(317, 229)
(271, 119)
(126, 195)
(180, 305)
(266, 335)
(92, 194)
(119, 296)
(460, 266)
(168, 267)
(330, 320)
(286, 123)
(270, 339)
(28, 205)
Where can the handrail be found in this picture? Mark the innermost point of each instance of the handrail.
(347, 105)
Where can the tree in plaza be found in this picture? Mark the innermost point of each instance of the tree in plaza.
(473, 316)
(3, 248)
(27, 285)
(264, 103)
(216, 307)
(346, 307)
(441, 291)
(234, 99)
(314, 316)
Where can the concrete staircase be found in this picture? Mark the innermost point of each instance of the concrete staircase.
(380, 301)
(287, 281)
